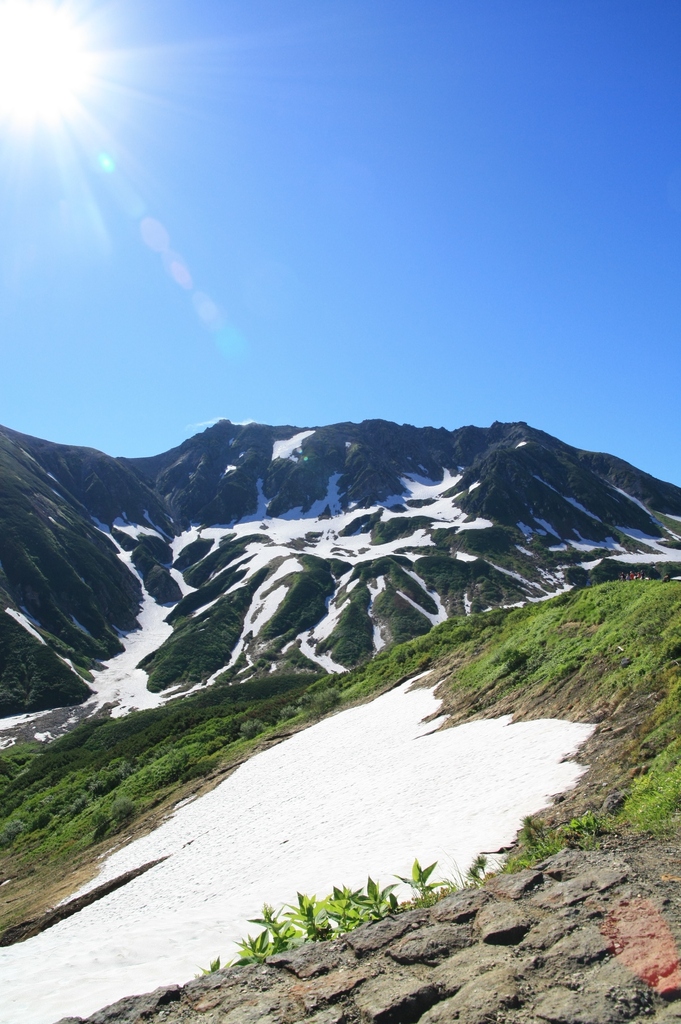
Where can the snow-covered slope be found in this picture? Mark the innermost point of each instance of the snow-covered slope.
(367, 789)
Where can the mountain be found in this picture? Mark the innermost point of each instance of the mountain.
(259, 550)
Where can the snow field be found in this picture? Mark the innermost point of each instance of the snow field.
(364, 791)
(285, 449)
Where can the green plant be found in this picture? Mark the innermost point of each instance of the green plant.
(311, 918)
(251, 728)
(419, 879)
(582, 832)
(11, 830)
(214, 966)
(122, 808)
(477, 871)
(278, 935)
(379, 902)
(538, 841)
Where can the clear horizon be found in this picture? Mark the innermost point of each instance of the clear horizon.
(312, 213)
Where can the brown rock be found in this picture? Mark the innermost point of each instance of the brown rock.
(257, 1009)
(403, 1000)
(431, 944)
(512, 887)
(611, 994)
(479, 1000)
(585, 946)
(461, 907)
(313, 958)
(455, 972)
(327, 989)
(135, 1009)
(331, 1015)
(375, 935)
(564, 864)
(547, 933)
(567, 894)
(502, 925)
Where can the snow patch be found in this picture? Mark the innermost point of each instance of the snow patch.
(546, 526)
(23, 621)
(285, 449)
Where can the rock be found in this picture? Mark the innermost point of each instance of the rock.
(258, 1009)
(613, 802)
(561, 1006)
(610, 995)
(501, 925)
(431, 944)
(327, 989)
(331, 1015)
(453, 974)
(585, 946)
(564, 864)
(643, 941)
(134, 1009)
(547, 932)
(460, 907)
(670, 1015)
(370, 937)
(386, 1000)
(615, 981)
(512, 887)
(313, 958)
(566, 894)
(479, 999)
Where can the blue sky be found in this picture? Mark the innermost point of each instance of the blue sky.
(438, 213)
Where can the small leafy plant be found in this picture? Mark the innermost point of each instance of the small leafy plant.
(419, 879)
(214, 966)
(344, 909)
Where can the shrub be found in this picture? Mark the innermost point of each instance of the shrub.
(325, 700)
(122, 808)
(78, 805)
(11, 831)
(250, 728)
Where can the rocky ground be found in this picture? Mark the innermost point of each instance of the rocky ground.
(587, 937)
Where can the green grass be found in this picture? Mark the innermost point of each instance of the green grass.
(64, 794)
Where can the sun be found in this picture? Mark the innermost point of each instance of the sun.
(44, 65)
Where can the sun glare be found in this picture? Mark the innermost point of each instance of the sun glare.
(44, 66)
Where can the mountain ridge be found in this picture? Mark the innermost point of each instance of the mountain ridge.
(288, 549)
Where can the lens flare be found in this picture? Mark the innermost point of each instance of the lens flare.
(154, 235)
(44, 65)
(106, 163)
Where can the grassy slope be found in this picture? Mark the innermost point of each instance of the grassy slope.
(579, 655)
